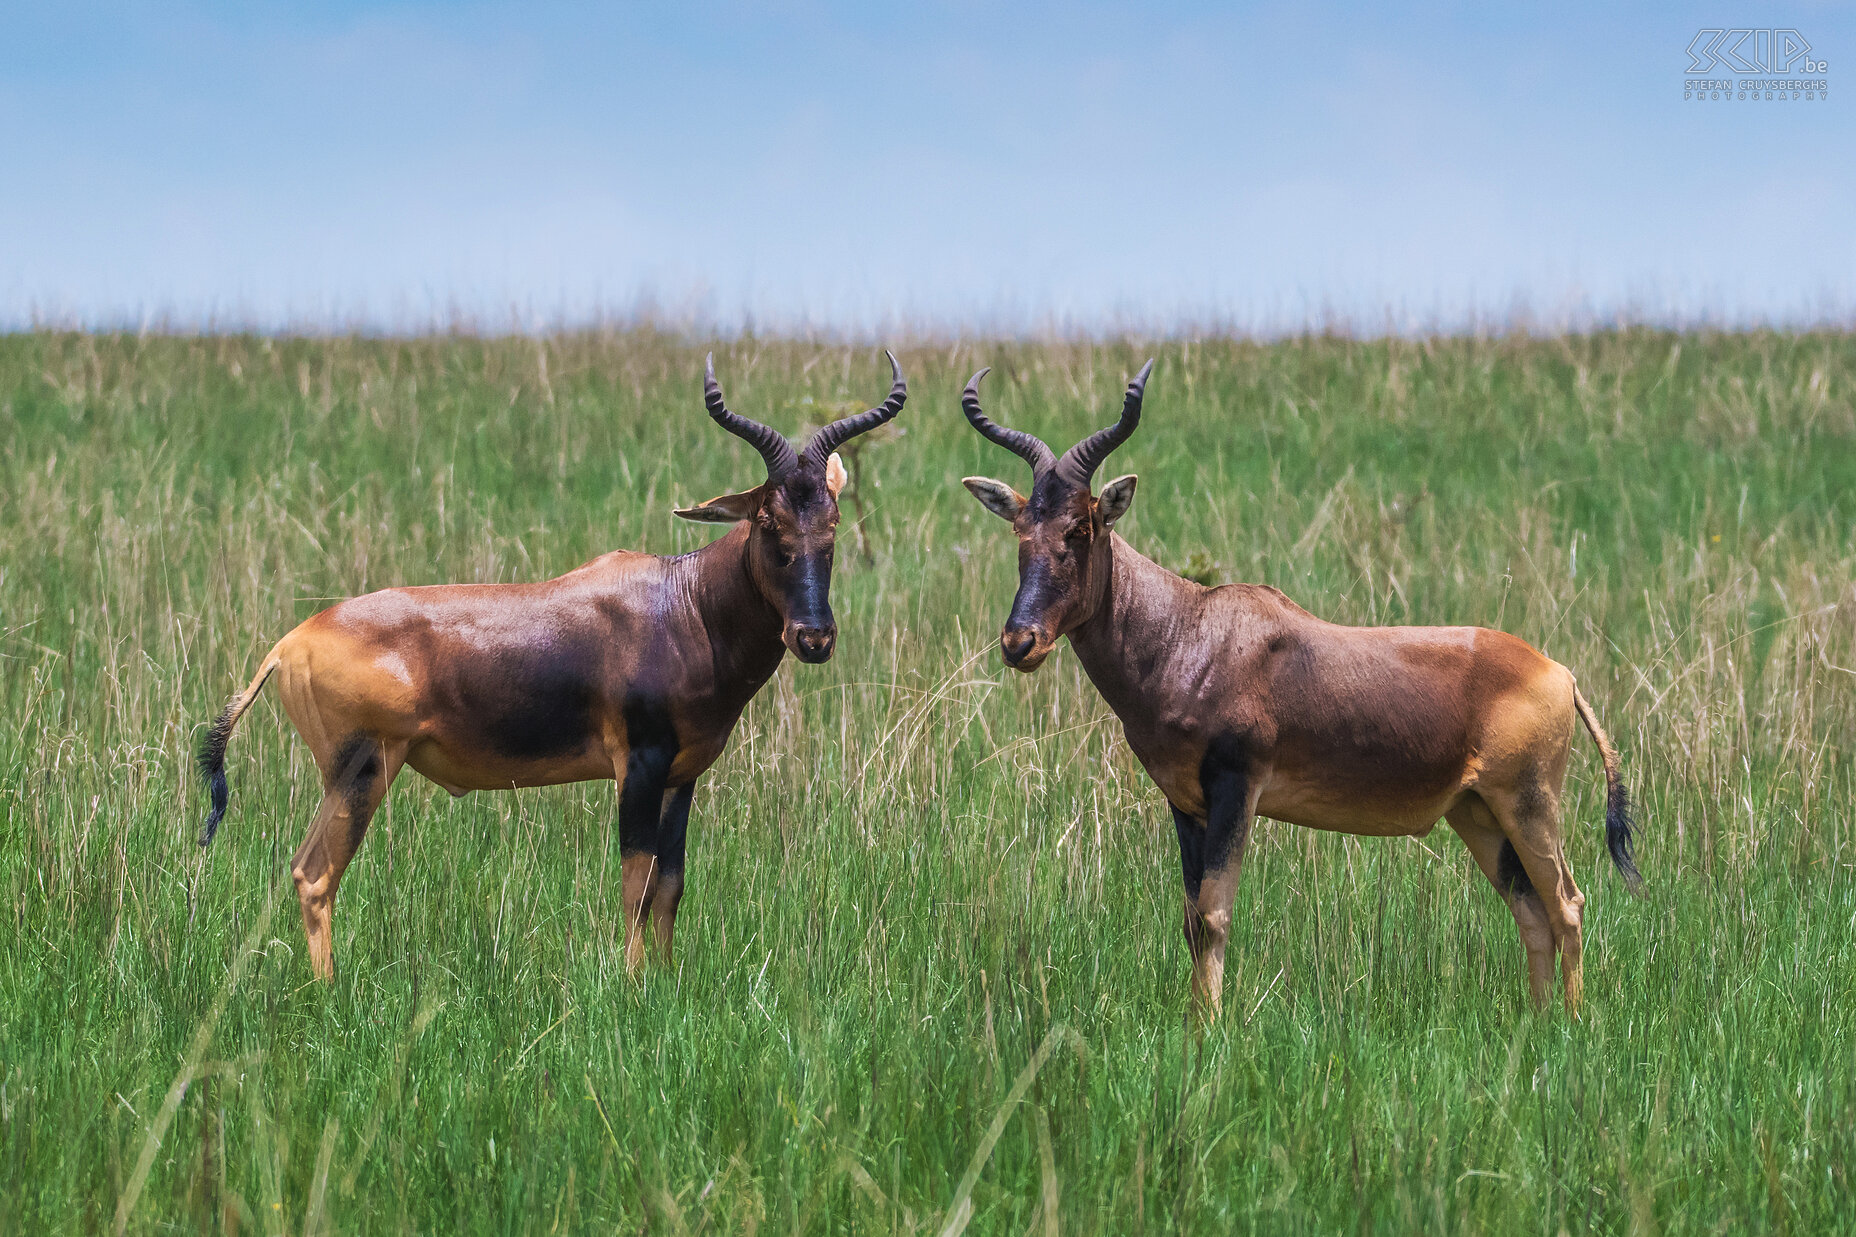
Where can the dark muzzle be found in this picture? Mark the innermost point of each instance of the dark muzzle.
(813, 644)
(1025, 648)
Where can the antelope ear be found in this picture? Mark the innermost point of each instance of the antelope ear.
(835, 476)
(727, 509)
(996, 496)
(1117, 496)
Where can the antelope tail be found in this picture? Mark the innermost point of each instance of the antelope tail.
(213, 750)
(1617, 800)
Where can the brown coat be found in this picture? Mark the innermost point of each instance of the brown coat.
(1240, 703)
(632, 667)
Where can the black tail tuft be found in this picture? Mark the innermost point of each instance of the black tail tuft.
(1618, 833)
(213, 768)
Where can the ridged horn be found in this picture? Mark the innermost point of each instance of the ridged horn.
(772, 445)
(830, 437)
(1080, 462)
(1029, 446)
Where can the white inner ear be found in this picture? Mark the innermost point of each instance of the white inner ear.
(1117, 497)
(835, 476)
(996, 496)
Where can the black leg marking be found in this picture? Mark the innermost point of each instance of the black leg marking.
(1191, 852)
(1512, 874)
(1225, 782)
(672, 830)
(357, 768)
(647, 769)
(653, 740)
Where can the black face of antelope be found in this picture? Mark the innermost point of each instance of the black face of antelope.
(632, 668)
(1063, 546)
(792, 521)
(1239, 703)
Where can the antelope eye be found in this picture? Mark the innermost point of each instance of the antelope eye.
(1076, 532)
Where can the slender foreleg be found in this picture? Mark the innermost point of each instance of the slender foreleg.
(1191, 833)
(1229, 804)
(672, 828)
(641, 799)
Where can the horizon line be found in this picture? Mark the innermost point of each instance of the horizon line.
(647, 313)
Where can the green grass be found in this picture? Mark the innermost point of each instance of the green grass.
(912, 868)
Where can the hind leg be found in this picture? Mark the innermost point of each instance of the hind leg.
(1476, 825)
(355, 780)
(1535, 857)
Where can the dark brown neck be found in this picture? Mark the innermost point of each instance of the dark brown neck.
(1144, 611)
(741, 625)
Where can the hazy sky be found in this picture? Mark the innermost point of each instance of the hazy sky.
(956, 165)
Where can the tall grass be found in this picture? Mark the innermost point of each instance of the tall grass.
(930, 968)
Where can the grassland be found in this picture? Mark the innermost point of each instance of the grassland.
(914, 875)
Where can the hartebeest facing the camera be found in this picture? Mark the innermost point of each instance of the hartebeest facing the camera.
(633, 667)
(1239, 703)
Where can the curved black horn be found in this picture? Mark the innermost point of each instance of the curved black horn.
(771, 444)
(1030, 446)
(831, 436)
(1080, 462)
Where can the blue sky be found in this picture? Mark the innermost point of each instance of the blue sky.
(966, 166)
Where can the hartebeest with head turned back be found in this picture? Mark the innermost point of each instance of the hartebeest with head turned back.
(1239, 703)
(633, 667)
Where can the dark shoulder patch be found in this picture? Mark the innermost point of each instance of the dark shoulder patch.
(648, 723)
(1225, 752)
(537, 702)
